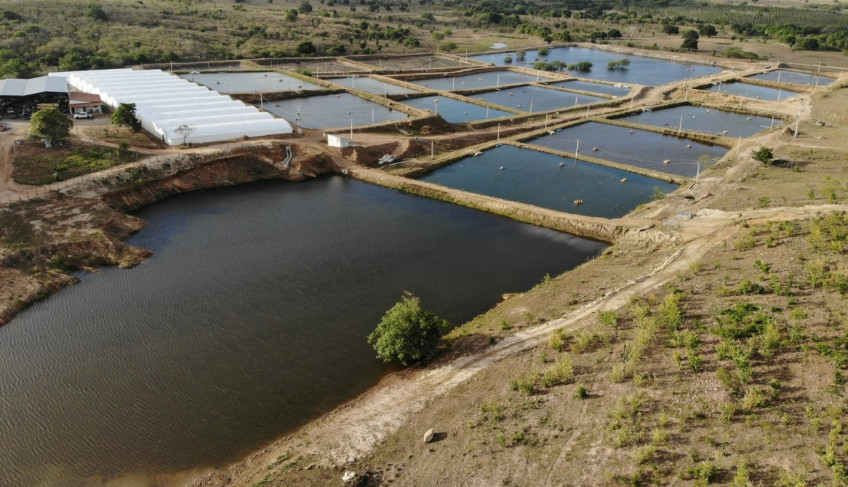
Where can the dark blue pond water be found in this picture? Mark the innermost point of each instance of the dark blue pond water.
(250, 319)
(539, 179)
(641, 149)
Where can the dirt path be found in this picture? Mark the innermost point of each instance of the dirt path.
(9, 189)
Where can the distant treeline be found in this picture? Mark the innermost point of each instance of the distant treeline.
(41, 35)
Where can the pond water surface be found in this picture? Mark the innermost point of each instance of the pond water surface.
(474, 81)
(752, 91)
(640, 148)
(533, 98)
(642, 70)
(250, 319)
(326, 111)
(786, 76)
(620, 90)
(705, 120)
(549, 181)
(250, 82)
(455, 111)
(371, 85)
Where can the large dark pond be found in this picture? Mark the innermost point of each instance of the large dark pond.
(250, 319)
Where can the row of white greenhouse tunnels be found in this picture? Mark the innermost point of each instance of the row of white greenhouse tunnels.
(165, 102)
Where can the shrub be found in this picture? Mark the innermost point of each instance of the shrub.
(407, 332)
(561, 373)
(703, 473)
(764, 155)
(582, 341)
(581, 393)
(742, 478)
(556, 341)
(526, 383)
(609, 318)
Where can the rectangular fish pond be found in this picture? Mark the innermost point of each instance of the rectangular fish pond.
(642, 70)
(250, 82)
(704, 120)
(325, 111)
(751, 91)
(536, 99)
(786, 76)
(639, 148)
(616, 90)
(371, 85)
(550, 181)
(474, 81)
(455, 111)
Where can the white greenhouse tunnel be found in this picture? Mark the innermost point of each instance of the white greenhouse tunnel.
(165, 102)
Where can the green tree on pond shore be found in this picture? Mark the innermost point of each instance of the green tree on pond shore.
(408, 332)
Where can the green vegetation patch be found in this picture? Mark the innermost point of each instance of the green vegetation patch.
(49, 165)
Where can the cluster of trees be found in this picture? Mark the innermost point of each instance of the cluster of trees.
(50, 125)
(803, 38)
(39, 37)
(582, 66)
(622, 63)
(690, 40)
